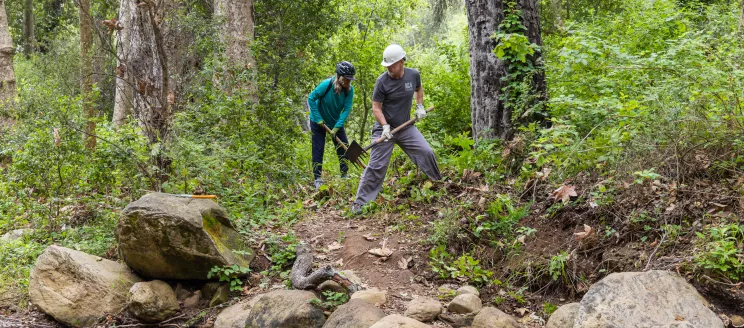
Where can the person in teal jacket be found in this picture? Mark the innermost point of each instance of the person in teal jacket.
(330, 104)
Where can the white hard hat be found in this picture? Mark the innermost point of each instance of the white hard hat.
(392, 54)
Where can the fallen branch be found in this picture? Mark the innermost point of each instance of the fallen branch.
(303, 279)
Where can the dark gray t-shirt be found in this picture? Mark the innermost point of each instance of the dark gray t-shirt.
(396, 96)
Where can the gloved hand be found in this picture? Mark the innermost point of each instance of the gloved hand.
(334, 131)
(420, 111)
(386, 132)
(320, 122)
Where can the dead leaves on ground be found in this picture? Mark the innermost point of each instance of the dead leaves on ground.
(564, 193)
(405, 262)
(381, 251)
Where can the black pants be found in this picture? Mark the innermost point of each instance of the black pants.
(319, 139)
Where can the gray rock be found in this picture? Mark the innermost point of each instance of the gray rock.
(209, 289)
(16, 234)
(423, 309)
(398, 321)
(349, 274)
(78, 289)
(235, 315)
(181, 293)
(192, 301)
(656, 299)
(490, 317)
(373, 296)
(357, 313)
(285, 309)
(166, 237)
(465, 303)
(467, 290)
(564, 317)
(220, 296)
(152, 301)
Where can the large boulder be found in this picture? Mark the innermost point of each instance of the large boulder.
(357, 313)
(167, 237)
(285, 309)
(657, 299)
(78, 289)
(373, 296)
(152, 301)
(564, 317)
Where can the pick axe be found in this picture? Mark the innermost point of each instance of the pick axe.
(355, 150)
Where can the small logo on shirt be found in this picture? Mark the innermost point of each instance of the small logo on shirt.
(409, 86)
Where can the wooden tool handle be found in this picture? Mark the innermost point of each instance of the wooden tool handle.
(335, 136)
(204, 196)
(381, 139)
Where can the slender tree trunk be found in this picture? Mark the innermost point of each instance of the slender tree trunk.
(28, 27)
(149, 67)
(86, 71)
(236, 35)
(7, 77)
(490, 118)
(124, 92)
(741, 17)
(363, 130)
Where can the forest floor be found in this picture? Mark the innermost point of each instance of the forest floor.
(567, 247)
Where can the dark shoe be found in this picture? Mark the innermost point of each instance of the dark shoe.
(356, 209)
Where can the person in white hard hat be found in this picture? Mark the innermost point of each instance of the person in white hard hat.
(392, 100)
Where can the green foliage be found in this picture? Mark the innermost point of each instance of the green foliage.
(721, 252)
(557, 268)
(465, 267)
(281, 250)
(231, 274)
(501, 218)
(549, 308)
(332, 300)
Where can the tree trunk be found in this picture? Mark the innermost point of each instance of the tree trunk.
(236, 35)
(489, 117)
(148, 64)
(741, 17)
(28, 27)
(7, 77)
(124, 92)
(86, 71)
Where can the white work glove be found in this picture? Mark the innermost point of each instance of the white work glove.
(420, 111)
(386, 132)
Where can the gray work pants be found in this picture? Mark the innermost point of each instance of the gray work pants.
(413, 144)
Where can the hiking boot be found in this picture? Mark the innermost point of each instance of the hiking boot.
(356, 209)
(319, 182)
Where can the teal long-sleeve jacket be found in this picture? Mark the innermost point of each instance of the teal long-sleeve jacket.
(334, 108)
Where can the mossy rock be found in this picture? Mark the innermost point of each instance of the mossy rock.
(162, 236)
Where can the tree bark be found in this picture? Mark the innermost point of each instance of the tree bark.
(86, 72)
(236, 34)
(28, 27)
(124, 92)
(741, 17)
(531, 20)
(7, 77)
(148, 65)
(490, 117)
